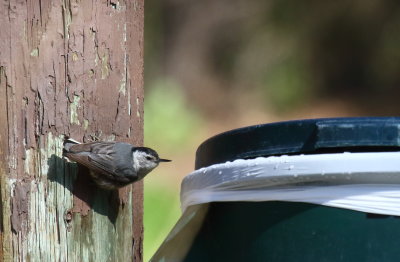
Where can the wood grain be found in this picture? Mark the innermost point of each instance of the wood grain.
(68, 68)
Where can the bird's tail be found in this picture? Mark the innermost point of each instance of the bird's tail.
(68, 143)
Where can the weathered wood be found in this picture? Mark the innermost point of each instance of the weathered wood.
(68, 68)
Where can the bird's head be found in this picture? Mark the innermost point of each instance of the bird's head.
(146, 159)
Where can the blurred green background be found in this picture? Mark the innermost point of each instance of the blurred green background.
(211, 66)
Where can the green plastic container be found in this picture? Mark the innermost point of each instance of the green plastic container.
(288, 231)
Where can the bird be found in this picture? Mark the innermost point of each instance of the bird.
(113, 165)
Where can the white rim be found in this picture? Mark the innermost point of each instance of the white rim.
(368, 182)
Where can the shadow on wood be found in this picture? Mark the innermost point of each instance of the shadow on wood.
(87, 196)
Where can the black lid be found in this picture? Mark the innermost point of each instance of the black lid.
(302, 137)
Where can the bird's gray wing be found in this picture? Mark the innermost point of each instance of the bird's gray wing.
(98, 156)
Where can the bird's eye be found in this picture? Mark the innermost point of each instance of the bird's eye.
(149, 158)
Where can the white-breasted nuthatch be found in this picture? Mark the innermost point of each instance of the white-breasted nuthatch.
(113, 165)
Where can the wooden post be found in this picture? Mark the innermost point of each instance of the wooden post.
(68, 68)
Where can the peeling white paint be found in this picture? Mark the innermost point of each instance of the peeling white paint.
(137, 107)
(67, 18)
(93, 34)
(35, 52)
(75, 57)
(102, 243)
(110, 138)
(105, 67)
(85, 124)
(124, 34)
(29, 163)
(129, 102)
(11, 184)
(12, 161)
(47, 239)
(74, 106)
(122, 85)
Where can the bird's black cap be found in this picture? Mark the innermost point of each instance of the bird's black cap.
(151, 152)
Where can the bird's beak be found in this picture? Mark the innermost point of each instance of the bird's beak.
(164, 160)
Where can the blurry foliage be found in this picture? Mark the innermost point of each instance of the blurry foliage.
(169, 119)
(161, 211)
(344, 49)
(351, 47)
(170, 125)
(288, 85)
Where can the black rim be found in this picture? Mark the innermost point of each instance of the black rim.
(326, 135)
